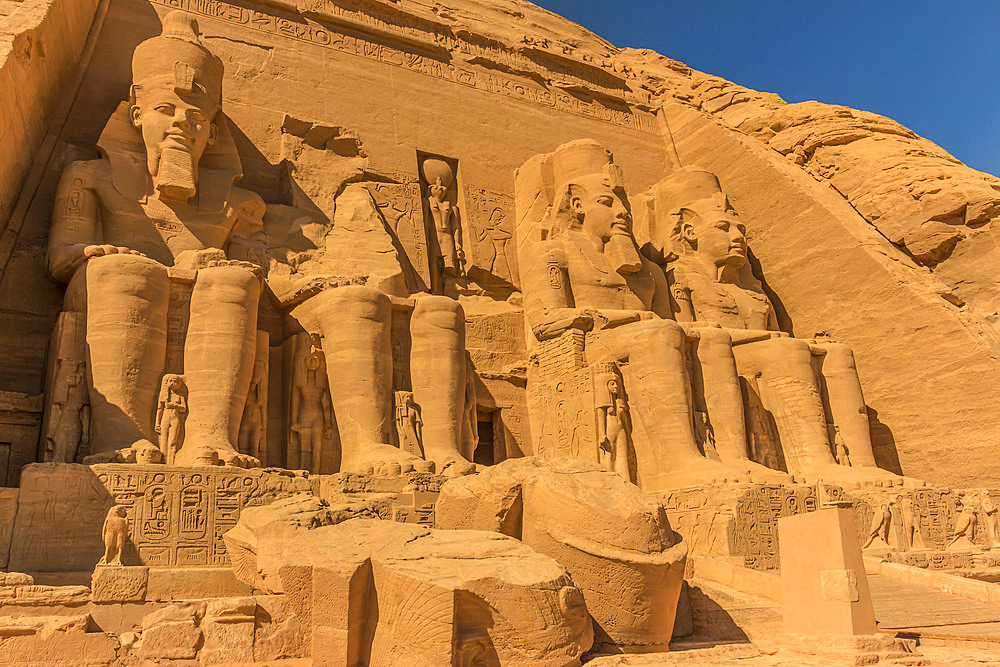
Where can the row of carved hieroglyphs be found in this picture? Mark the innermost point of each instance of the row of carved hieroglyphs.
(617, 113)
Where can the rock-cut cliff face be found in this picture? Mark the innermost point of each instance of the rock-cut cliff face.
(859, 228)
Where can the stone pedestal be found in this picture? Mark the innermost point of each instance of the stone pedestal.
(824, 589)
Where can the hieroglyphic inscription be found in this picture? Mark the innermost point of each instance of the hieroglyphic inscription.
(754, 532)
(563, 397)
(176, 516)
(179, 517)
(609, 110)
(935, 511)
(490, 232)
(178, 314)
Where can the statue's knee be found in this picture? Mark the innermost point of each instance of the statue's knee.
(131, 275)
(355, 302)
(228, 284)
(714, 338)
(661, 332)
(789, 352)
(839, 356)
(438, 311)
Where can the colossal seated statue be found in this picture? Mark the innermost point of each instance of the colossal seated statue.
(582, 272)
(810, 387)
(159, 209)
(153, 240)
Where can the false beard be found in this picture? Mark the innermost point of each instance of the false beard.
(622, 253)
(176, 175)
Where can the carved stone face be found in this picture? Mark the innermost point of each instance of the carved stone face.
(173, 122)
(718, 236)
(601, 211)
(312, 362)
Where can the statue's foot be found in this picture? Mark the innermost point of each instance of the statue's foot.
(760, 474)
(701, 471)
(385, 460)
(214, 454)
(141, 451)
(855, 478)
(458, 467)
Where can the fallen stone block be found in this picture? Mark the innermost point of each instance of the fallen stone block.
(613, 538)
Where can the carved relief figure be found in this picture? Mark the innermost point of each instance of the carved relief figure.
(965, 525)
(252, 425)
(581, 270)
(311, 414)
(162, 199)
(881, 524)
(68, 421)
(702, 242)
(614, 428)
(408, 424)
(114, 533)
(448, 257)
(992, 519)
(171, 412)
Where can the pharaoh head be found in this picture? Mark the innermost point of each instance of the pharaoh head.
(174, 101)
(589, 196)
(171, 383)
(703, 222)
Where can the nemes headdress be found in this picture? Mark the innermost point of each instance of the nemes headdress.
(178, 56)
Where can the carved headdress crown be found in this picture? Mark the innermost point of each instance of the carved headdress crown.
(179, 54)
(583, 157)
(686, 186)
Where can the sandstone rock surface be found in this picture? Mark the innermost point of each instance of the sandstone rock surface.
(613, 538)
(400, 594)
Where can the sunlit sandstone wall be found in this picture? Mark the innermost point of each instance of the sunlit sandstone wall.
(491, 83)
(41, 42)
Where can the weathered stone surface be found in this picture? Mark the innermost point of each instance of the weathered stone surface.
(119, 584)
(614, 539)
(440, 595)
(55, 640)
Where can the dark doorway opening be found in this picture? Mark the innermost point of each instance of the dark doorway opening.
(485, 453)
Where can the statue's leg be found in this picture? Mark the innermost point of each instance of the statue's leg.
(722, 393)
(724, 401)
(790, 391)
(125, 298)
(659, 389)
(219, 354)
(847, 402)
(438, 369)
(355, 324)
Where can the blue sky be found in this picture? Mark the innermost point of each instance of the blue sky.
(934, 66)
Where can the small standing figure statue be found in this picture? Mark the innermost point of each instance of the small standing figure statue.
(409, 424)
(114, 533)
(447, 252)
(614, 428)
(841, 453)
(68, 433)
(171, 411)
(312, 414)
(251, 436)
